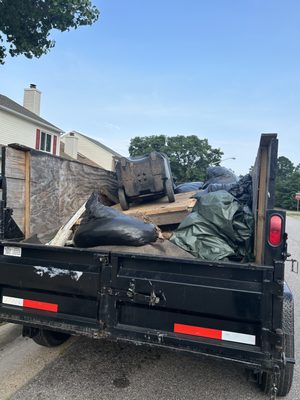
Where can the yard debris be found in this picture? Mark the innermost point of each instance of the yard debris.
(108, 226)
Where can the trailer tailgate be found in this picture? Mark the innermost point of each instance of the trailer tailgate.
(50, 285)
(196, 304)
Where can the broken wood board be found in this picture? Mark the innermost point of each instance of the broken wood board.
(160, 211)
(65, 231)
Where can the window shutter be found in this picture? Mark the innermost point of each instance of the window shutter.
(54, 144)
(37, 139)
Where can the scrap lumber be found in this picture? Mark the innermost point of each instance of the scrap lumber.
(161, 212)
(65, 231)
(263, 186)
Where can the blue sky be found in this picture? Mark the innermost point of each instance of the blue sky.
(223, 70)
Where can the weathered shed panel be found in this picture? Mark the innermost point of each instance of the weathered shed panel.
(45, 190)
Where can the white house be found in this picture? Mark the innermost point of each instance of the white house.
(23, 124)
(79, 146)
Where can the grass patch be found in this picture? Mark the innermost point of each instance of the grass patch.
(293, 214)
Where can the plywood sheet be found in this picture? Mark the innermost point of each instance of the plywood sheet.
(44, 193)
(161, 212)
(77, 182)
(44, 190)
(59, 187)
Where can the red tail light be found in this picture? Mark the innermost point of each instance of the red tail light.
(275, 230)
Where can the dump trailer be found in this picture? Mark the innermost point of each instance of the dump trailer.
(240, 312)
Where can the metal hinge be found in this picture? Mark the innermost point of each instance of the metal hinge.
(275, 287)
(104, 259)
(276, 338)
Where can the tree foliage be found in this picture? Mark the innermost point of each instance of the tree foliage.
(287, 184)
(25, 25)
(189, 156)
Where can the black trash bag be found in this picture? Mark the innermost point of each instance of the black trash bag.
(218, 228)
(107, 226)
(242, 191)
(219, 174)
(214, 187)
(188, 187)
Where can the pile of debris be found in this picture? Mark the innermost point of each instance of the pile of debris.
(209, 220)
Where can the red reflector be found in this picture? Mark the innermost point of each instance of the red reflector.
(40, 305)
(275, 231)
(198, 331)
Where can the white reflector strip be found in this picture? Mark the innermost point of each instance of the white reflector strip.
(238, 337)
(27, 303)
(13, 301)
(216, 334)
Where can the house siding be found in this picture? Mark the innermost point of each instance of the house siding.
(100, 156)
(14, 129)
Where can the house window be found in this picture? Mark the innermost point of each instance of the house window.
(46, 142)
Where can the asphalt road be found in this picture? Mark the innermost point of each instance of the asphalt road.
(90, 369)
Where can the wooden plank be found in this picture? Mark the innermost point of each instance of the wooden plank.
(167, 218)
(261, 205)
(27, 196)
(14, 163)
(65, 232)
(263, 189)
(161, 212)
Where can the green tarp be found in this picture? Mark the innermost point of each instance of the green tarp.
(218, 227)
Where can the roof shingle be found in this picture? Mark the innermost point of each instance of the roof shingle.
(6, 102)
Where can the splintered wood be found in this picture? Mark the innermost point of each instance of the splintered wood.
(65, 232)
(161, 212)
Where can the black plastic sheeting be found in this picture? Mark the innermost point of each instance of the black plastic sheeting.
(188, 187)
(242, 190)
(218, 228)
(8, 227)
(219, 174)
(107, 226)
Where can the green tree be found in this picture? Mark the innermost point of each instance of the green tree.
(285, 167)
(189, 156)
(287, 184)
(25, 25)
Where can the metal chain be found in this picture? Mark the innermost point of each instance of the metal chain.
(274, 388)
